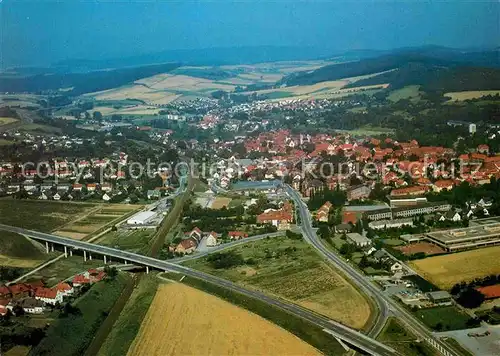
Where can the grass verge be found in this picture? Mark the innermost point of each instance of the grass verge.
(130, 319)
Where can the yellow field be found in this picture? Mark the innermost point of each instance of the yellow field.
(445, 271)
(18, 351)
(7, 120)
(186, 321)
(473, 94)
(220, 202)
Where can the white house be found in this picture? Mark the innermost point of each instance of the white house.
(212, 239)
(48, 295)
(64, 289)
(106, 197)
(396, 267)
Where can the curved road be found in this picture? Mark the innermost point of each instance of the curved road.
(342, 332)
(385, 304)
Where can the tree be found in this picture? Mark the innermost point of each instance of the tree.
(97, 116)
(18, 310)
(470, 298)
(111, 272)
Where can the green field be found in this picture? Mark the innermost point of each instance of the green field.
(396, 336)
(291, 269)
(72, 335)
(127, 326)
(410, 92)
(450, 318)
(39, 215)
(64, 269)
(138, 241)
(14, 245)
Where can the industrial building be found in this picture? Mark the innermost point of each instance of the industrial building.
(407, 212)
(466, 238)
(141, 218)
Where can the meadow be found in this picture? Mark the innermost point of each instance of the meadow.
(292, 270)
(7, 120)
(398, 337)
(137, 241)
(186, 321)
(447, 270)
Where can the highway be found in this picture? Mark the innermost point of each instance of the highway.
(353, 337)
(384, 304)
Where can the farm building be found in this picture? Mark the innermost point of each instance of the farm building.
(440, 297)
(141, 218)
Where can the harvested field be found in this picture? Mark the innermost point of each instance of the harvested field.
(212, 326)
(220, 202)
(473, 94)
(425, 247)
(445, 271)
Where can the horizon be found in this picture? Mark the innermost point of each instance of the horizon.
(44, 33)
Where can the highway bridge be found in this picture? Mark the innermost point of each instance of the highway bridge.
(349, 336)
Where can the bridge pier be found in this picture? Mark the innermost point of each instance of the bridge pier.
(105, 260)
(84, 256)
(147, 269)
(52, 247)
(90, 256)
(65, 251)
(47, 246)
(71, 252)
(125, 261)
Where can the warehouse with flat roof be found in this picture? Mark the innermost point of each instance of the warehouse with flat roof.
(141, 218)
(466, 238)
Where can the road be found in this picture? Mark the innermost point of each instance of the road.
(385, 304)
(343, 332)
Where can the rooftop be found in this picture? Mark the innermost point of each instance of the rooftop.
(466, 234)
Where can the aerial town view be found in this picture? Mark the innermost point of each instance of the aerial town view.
(249, 178)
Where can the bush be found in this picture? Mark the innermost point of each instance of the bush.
(225, 260)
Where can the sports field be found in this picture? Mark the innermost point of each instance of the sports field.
(220, 202)
(425, 247)
(186, 321)
(447, 270)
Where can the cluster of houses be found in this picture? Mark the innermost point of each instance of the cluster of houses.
(34, 297)
(281, 218)
(194, 237)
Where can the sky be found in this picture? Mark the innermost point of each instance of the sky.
(40, 32)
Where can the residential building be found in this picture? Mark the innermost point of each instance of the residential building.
(358, 192)
(212, 239)
(237, 235)
(48, 295)
(186, 246)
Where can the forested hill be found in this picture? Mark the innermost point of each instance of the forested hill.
(442, 70)
(81, 82)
